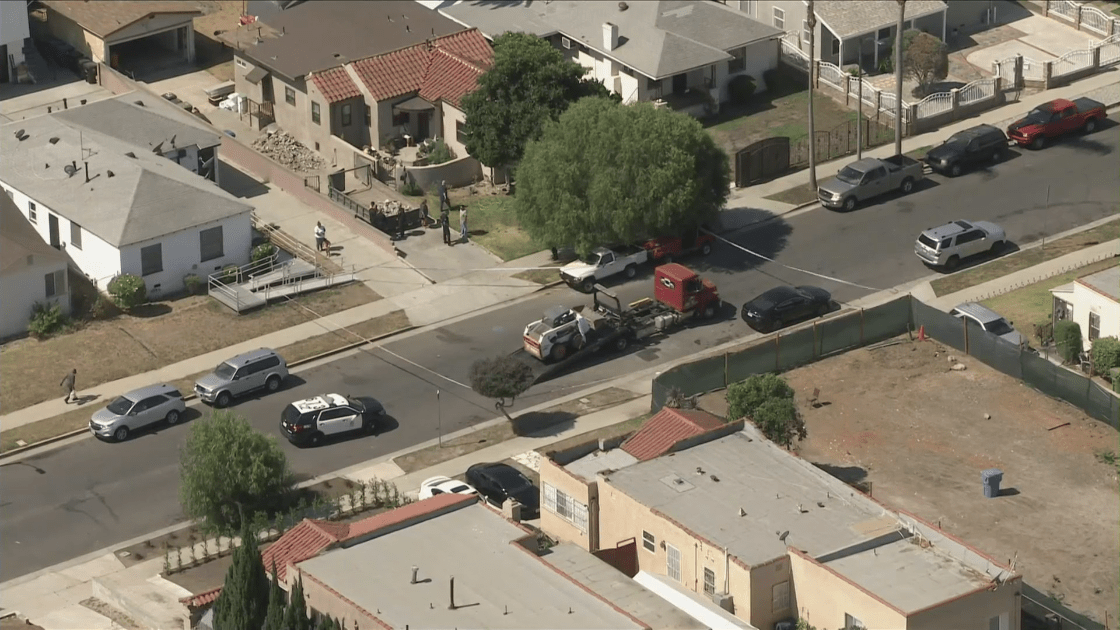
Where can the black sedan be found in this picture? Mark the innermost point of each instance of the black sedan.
(498, 482)
(781, 306)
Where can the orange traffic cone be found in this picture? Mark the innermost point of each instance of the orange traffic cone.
(921, 333)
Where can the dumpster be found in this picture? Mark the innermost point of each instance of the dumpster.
(991, 479)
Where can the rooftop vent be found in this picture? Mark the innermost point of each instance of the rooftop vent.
(21, 135)
(109, 173)
(54, 140)
(140, 103)
(70, 169)
(131, 155)
(622, 6)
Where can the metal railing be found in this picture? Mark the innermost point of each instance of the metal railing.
(976, 91)
(1072, 61)
(221, 282)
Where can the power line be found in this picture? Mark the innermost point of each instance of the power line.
(805, 271)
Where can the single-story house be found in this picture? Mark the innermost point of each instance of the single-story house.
(681, 52)
(14, 32)
(136, 36)
(1093, 301)
(31, 272)
(119, 208)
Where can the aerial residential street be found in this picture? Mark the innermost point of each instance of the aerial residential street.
(90, 495)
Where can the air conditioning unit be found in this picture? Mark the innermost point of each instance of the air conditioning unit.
(724, 601)
(566, 43)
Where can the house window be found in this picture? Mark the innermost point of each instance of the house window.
(673, 562)
(1094, 326)
(241, 63)
(779, 597)
(835, 46)
(564, 506)
(55, 283)
(31, 214)
(709, 581)
(460, 132)
(884, 33)
(401, 119)
(738, 61)
(852, 622)
(369, 116)
(315, 113)
(346, 119)
(210, 244)
(75, 235)
(151, 259)
(649, 542)
(779, 18)
(289, 95)
(653, 84)
(748, 7)
(806, 32)
(628, 71)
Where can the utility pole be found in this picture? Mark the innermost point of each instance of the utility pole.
(898, 77)
(859, 104)
(812, 23)
(439, 419)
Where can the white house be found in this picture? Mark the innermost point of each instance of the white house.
(30, 271)
(14, 32)
(681, 52)
(1093, 302)
(115, 207)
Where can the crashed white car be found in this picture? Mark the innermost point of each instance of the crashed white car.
(603, 263)
(444, 485)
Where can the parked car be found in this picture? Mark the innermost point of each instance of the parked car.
(444, 485)
(868, 178)
(948, 245)
(982, 144)
(986, 319)
(499, 482)
(312, 420)
(1054, 119)
(137, 409)
(603, 263)
(785, 305)
(244, 373)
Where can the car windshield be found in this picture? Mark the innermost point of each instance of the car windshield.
(460, 489)
(999, 327)
(224, 370)
(1038, 116)
(290, 414)
(849, 175)
(120, 406)
(590, 259)
(927, 241)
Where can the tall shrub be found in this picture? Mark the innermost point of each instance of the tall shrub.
(1105, 354)
(744, 397)
(128, 291)
(1067, 336)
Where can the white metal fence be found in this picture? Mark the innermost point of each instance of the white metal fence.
(935, 104)
(794, 56)
(831, 74)
(1005, 68)
(1032, 69)
(976, 91)
(1065, 9)
(1096, 20)
(1110, 50)
(1072, 61)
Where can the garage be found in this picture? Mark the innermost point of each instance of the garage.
(138, 38)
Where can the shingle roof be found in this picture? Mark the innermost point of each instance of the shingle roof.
(18, 240)
(107, 17)
(846, 18)
(335, 84)
(124, 120)
(663, 431)
(446, 69)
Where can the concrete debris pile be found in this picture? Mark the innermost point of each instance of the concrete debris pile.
(286, 150)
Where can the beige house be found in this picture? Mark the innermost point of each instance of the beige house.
(1093, 302)
(739, 525)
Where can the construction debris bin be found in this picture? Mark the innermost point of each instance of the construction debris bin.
(991, 478)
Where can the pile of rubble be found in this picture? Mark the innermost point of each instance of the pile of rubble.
(285, 149)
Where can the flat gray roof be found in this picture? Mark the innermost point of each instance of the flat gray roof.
(620, 589)
(123, 119)
(1106, 282)
(909, 577)
(591, 464)
(657, 38)
(493, 577)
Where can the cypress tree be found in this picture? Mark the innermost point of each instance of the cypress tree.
(243, 602)
(295, 617)
(274, 618)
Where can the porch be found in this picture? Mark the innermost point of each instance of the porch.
(693, 93)
(868, 40)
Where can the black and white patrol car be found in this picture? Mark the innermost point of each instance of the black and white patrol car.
(311, 421)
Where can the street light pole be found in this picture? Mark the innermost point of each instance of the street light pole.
(439, 419)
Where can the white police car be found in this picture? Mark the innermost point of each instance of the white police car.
(310, 421)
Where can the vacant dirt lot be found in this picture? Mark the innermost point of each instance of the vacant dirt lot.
(918, 432)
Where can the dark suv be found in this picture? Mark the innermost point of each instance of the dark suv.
(965, 149)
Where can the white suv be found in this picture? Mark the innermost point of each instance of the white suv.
(947, 245)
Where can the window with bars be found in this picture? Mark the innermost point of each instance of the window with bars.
(1094, 326)
(564, 506)
(852, 622)
(779, 18)
(369, 116)
(709, 581)
(401, 119)
(779, 597)
(55, 283)
(75, 235)
(673, 562)
(649, 541)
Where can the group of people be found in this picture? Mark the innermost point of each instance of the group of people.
(324, 245)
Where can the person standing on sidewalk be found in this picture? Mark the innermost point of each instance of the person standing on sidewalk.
(445, 219)
(320, 235)
(444, 200)
(463, 232)
(67, 383)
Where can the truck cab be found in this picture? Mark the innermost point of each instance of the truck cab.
(685, 291)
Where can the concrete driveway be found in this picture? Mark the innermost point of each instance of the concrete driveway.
(1042, 39)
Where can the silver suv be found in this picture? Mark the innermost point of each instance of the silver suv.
(976, 315)
(138, 409)
(259, 369)
(947, 245)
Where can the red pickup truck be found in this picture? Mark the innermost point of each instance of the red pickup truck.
(1054, 119)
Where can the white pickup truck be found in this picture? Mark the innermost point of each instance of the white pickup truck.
(602, 263)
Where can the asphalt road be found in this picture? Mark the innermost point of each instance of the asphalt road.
(89, 495)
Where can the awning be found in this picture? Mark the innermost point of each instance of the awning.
(255, 75)
(414, 104)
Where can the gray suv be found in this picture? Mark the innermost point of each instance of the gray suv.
(947, 245)
(137, 409)
(259, 369)
(976, 315)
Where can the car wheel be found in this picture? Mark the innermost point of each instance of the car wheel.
(621, 343)
(173, 416)
(223, 400)
(630, 271)
(121, 434)
(316, 439)
(997, 155)
(952, 263)
(955, 170)
(849, 204)
(908, 185)
(1090, 125)
(559, 352)
(705, 249)
(1038, 142)
(997, 247)
(823, 310)
(709, 311)
(777, 324)
(273, 383)
(587, 286)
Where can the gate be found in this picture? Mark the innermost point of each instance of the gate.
(761, 160)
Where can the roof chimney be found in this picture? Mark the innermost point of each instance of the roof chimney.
(415, 572)
(610, 36)
(87, 171)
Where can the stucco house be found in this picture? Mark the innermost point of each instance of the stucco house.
(718, 516)
(114, 207)
(1093, 302)
(31, 271)
(681, 52)
(14, 34)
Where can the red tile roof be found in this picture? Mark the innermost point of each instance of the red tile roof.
(300, 543)
(336, 85)
(663, 431)
(202, 599)
(447, 68)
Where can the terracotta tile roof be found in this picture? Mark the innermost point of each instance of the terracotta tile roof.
(447, 69)
(663, 431)
(105, 18)
(202, 599)
(406, 513)
(336, 85)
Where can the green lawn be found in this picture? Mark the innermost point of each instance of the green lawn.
(493, 224)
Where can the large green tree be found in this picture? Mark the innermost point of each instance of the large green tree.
(606, 172)
(529, 83)
(295, 617)
(244, 601)
(502, 377)
(274, 619)
(229, 472)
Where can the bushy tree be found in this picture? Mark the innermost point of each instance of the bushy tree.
(501, 378)
(295, 616)
(924, 59)
(741, 88)
(128, 291)
(606, 172)
(530, 82)
(274, 618)
(1105, 354)
(244, 601)
(744, 397)
(46, 319)
(1067, 337)
(779, 421)
(230, 471)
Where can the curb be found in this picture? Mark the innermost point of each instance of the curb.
(192, 396)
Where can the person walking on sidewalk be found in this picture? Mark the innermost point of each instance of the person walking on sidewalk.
(67, 383)
(425, 218)
(463, 232)
(320, 235)
(444, 200)
(445, 218)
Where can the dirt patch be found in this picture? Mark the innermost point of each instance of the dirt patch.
(157, 335)
(898, 421)
(105, 610)
(804, 193)
(552, 420)
(540, 276)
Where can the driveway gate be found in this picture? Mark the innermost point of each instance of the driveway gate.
(761, 160)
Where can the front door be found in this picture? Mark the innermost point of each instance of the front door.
(266, 89)
(680, 83)
(422, 125)
(53, 222)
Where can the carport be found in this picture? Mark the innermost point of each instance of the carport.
(140, 37)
